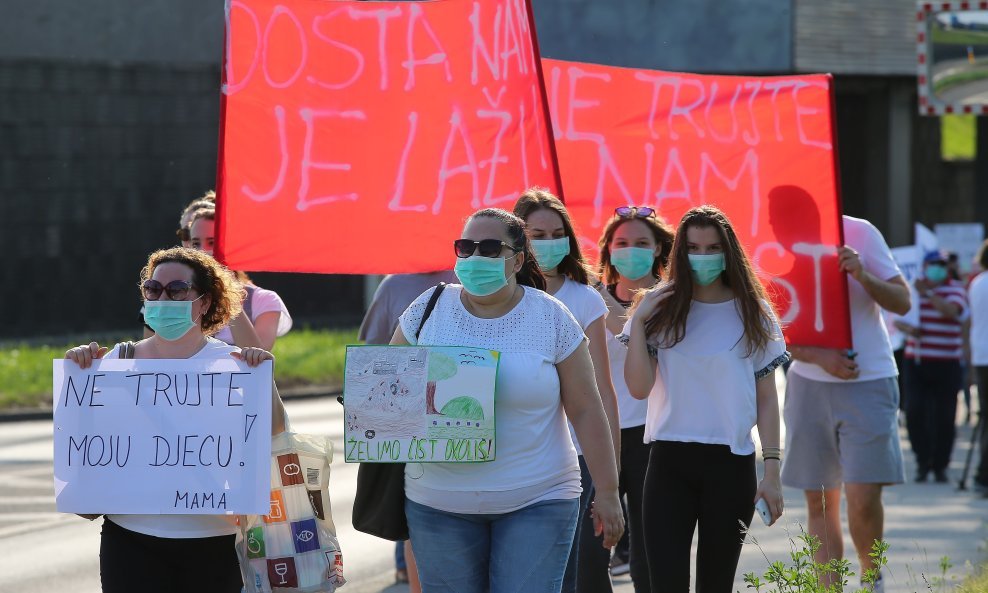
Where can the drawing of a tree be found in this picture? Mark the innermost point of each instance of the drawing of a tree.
(441, 367)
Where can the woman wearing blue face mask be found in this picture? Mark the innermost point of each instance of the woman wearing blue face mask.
(187, 297)
(703, 348)
(634, 249)
(507, 525)
(557, 252)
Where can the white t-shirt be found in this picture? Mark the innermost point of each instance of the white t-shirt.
(587, 306)
(631, 410)
(535, 459)
(182, 526)
(870, 338)
(978, 307)
(262, 301)
(704, 390)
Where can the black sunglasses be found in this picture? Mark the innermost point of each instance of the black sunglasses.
(485, 247)
(634, 211)
(177, 290)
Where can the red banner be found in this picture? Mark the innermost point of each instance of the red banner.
(761, 149)
(357, 136)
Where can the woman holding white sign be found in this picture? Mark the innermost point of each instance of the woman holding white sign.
(703, 349)
(508, 524)
(188, 296)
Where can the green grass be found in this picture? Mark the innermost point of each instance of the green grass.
(312, 357)
(959, 36)
(303, 357)
(958, 137)
(977, 582)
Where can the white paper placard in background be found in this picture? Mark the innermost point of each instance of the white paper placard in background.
(964, 239)
(162, 437)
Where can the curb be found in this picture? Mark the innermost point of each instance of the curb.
(289, 394)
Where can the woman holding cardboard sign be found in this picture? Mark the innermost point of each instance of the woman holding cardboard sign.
(507, 524)
(703, 349)
(188, 296)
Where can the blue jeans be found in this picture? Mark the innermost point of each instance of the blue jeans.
(521, 551)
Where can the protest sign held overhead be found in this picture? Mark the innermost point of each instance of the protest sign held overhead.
(761, 149)
(419, 404)
(357, 136)
(162, 437)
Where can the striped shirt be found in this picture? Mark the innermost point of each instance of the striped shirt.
(940, 337)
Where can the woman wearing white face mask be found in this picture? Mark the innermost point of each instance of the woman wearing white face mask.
(187, 297)
(558, 254)
(507, 525)
(703, 349)
(634, 249)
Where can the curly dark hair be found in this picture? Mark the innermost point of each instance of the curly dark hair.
(226, 294)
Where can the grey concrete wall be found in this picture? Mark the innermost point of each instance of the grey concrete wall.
(115, 31)
(96, 162)
(713, 36)
(876, 37)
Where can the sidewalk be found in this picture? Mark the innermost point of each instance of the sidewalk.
(923, 523)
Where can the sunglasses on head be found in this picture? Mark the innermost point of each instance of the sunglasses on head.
(634, 211)
(184, 234)
(485, 247)
(177, 290)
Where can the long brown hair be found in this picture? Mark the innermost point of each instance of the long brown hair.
(537, 198)
(661, 230)
(668, 324)
(529, 274)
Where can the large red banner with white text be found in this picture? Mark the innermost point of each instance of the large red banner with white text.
(761, 149)
(357, 136)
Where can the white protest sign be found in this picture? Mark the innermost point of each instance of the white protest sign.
(962, 238)
(422, 404)
(162, 437)
(910, 262)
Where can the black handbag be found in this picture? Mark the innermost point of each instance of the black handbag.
(379, 504)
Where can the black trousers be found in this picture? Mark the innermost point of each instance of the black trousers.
(931, 410)
(981, 475)
(592, 559)
(131, 561)
(690, 484)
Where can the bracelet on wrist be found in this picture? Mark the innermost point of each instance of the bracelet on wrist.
(779, 459)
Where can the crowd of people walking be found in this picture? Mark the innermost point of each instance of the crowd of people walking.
(627, 392)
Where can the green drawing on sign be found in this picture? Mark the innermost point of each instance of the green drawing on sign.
(464, 407)
(441, 367)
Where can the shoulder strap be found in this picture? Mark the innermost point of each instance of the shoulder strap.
(248, 302)
(429, 307)
(127, 349)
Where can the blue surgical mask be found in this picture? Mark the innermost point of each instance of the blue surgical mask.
(170, 320)
(935, 273)
(633, 263)
(481, 276)
(549, 252)
(706, 268)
